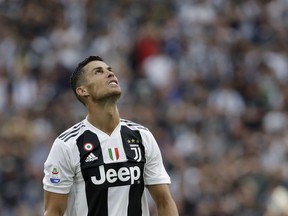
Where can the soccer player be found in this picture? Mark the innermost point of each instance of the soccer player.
(101, 165)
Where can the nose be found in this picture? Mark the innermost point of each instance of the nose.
(110, 74)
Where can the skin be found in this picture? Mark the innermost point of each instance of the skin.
(100, 92)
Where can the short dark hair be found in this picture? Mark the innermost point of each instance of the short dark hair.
(76, 77)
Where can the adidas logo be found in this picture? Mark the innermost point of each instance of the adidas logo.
(91, 157)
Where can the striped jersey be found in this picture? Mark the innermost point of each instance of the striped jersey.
(104, 175)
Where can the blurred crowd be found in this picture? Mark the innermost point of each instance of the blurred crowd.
(207, 77)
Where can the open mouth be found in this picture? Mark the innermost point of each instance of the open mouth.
(113, 82)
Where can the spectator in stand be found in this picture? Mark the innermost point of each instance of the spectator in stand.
(208, 43)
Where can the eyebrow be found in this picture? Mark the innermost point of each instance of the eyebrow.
(96, 68)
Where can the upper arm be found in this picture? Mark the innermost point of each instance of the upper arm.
(154, 172)
(160, 193)
(58, 178)
(164, 202)
(54, 204)
(157, 179)
(59, 169)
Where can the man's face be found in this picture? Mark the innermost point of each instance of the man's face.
(100, 81)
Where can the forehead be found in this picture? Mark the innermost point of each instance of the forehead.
(95, 64)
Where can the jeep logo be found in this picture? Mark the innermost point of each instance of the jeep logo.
(128, 175)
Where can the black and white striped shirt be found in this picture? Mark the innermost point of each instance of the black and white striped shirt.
(104, 175)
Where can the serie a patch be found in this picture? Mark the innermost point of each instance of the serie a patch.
(55, 176)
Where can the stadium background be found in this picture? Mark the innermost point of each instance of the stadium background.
(208, 77)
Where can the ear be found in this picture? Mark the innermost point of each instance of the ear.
(81, 91)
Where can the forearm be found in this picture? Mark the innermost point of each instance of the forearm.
(54, 204)
(46, 213)
(168, 209)
(165, 204)
(53, 213)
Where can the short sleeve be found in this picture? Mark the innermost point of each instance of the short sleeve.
(58, 169)
(154, 171)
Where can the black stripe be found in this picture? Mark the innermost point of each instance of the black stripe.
(135, 195)
(136, 190)
(127, 135)
(67, 132)
(70, 136)
(96, 197)
(133, 124)
(97, 202)
(130, 123)
(73, 129)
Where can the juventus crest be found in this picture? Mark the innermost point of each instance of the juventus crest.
(137, 151)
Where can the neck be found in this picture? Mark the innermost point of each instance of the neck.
(105, 116)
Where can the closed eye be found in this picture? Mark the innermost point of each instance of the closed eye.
(101, 70)
(98, 70)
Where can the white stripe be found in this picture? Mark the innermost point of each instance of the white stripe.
(118, 200)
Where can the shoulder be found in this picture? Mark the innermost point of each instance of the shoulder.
(72, 133)
(132, 125)
(144, 132)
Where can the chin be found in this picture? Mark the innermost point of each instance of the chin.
(116, 92)
(112, 95)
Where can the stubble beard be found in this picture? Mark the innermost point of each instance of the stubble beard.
(109, 97)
